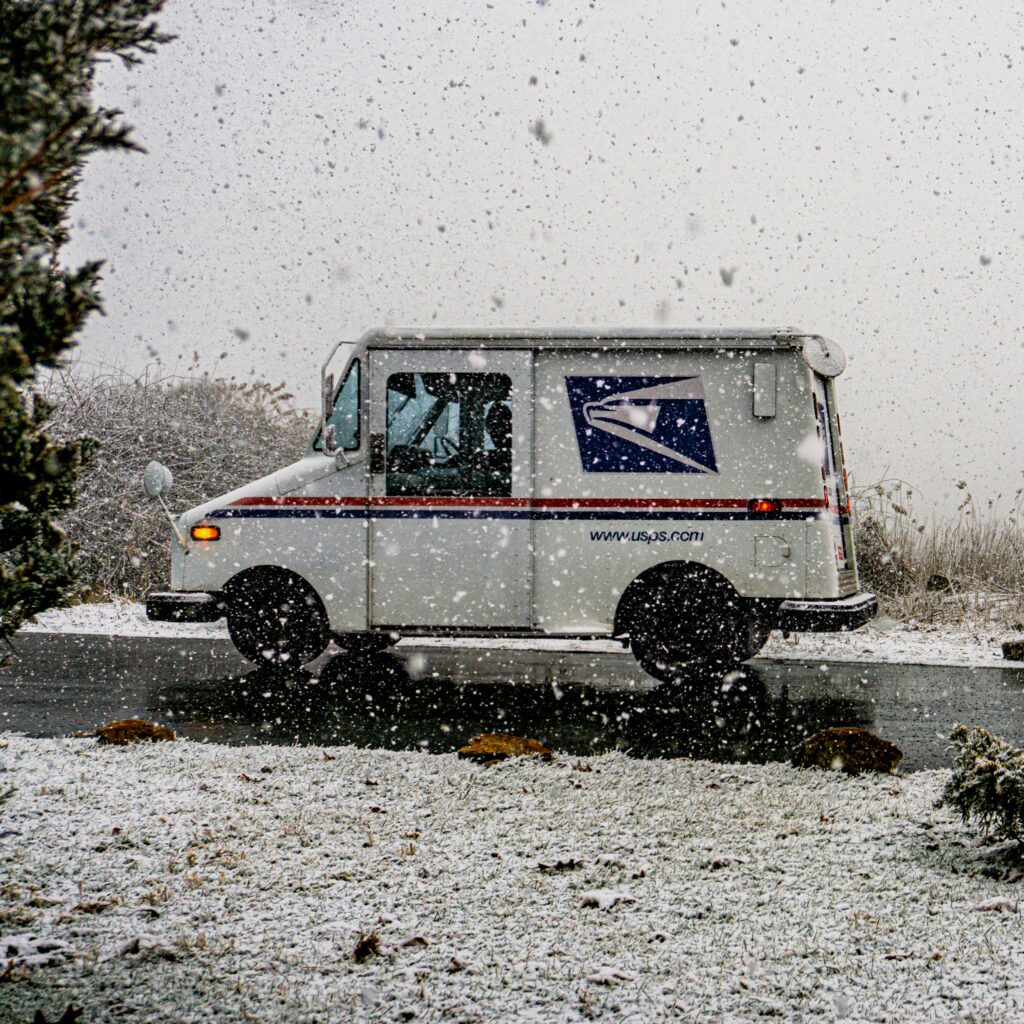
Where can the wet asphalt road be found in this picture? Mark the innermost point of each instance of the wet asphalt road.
(436, 698)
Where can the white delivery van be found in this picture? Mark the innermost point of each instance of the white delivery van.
(680, 490)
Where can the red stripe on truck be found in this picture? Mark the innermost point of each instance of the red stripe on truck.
(428, 502)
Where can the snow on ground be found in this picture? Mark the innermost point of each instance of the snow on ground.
(881, 641)
(900, 643)
(187, 882)
(118, 618)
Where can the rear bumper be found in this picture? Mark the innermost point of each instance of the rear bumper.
(840, 615)
(184, 606)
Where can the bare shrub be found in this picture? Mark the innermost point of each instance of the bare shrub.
(967, 568)
(987, 783)
(213, 434)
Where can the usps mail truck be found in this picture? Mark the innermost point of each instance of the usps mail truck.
(680, 490)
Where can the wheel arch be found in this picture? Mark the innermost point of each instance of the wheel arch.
(265, 574)
(675, 571)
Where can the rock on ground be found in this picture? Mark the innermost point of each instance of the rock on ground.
(490, 747)
(848, 749)
(133, 730)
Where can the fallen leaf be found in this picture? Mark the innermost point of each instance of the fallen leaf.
(561, 864)
(95, 907)
(69, 1016)
(366, 946)
(605, 899)
(1000, 904)
(610, 976)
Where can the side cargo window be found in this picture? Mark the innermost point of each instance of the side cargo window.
(449, 434)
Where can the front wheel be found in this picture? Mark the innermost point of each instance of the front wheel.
(276, 618)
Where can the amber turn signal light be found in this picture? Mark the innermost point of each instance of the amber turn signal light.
(205, 532)
(764, 505)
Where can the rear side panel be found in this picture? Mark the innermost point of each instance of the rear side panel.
(647, 457)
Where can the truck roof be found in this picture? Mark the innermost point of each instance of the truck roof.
(584, 337)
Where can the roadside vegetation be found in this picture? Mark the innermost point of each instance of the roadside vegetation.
(970, 568)
(214, 434)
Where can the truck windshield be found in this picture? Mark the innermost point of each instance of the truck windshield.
(345, 416)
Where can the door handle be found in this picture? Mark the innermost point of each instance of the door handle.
(378, 453)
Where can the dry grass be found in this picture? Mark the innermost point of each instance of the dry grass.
(970, 568)
(214, 434)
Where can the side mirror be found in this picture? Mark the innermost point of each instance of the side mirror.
(157, 480)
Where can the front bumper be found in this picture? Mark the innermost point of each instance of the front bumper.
(184, 606)
(836, 616)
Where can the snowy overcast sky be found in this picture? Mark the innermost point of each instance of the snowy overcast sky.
(317, 168)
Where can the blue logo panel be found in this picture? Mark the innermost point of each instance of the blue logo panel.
(641, 424)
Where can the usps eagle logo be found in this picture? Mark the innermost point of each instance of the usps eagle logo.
(641, 424)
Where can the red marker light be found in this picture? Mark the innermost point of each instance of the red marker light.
(764, 505)
(204, 531)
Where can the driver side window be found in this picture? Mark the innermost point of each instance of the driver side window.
(449, 434)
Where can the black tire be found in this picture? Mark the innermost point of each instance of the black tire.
(687, 620)
(362, 644)
(756, 637)
(276, 619)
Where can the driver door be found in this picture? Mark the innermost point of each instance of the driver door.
(450, 485)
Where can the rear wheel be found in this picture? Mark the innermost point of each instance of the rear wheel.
(276, 618)
(756, 636)
(691, 619)
(365, 643)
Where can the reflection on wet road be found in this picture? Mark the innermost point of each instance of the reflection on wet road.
(435, 698)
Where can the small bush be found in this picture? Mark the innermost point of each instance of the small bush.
(970, 568)
(881, 566)
(213, 434)
(987, 784)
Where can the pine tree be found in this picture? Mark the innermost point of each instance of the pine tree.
(49, 51)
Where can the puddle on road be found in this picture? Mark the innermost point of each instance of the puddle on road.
(576, 704)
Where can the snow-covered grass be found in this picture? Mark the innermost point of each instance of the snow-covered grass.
(882, 641)
(183, 882)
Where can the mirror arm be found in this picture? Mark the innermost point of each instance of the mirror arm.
(182, 540)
